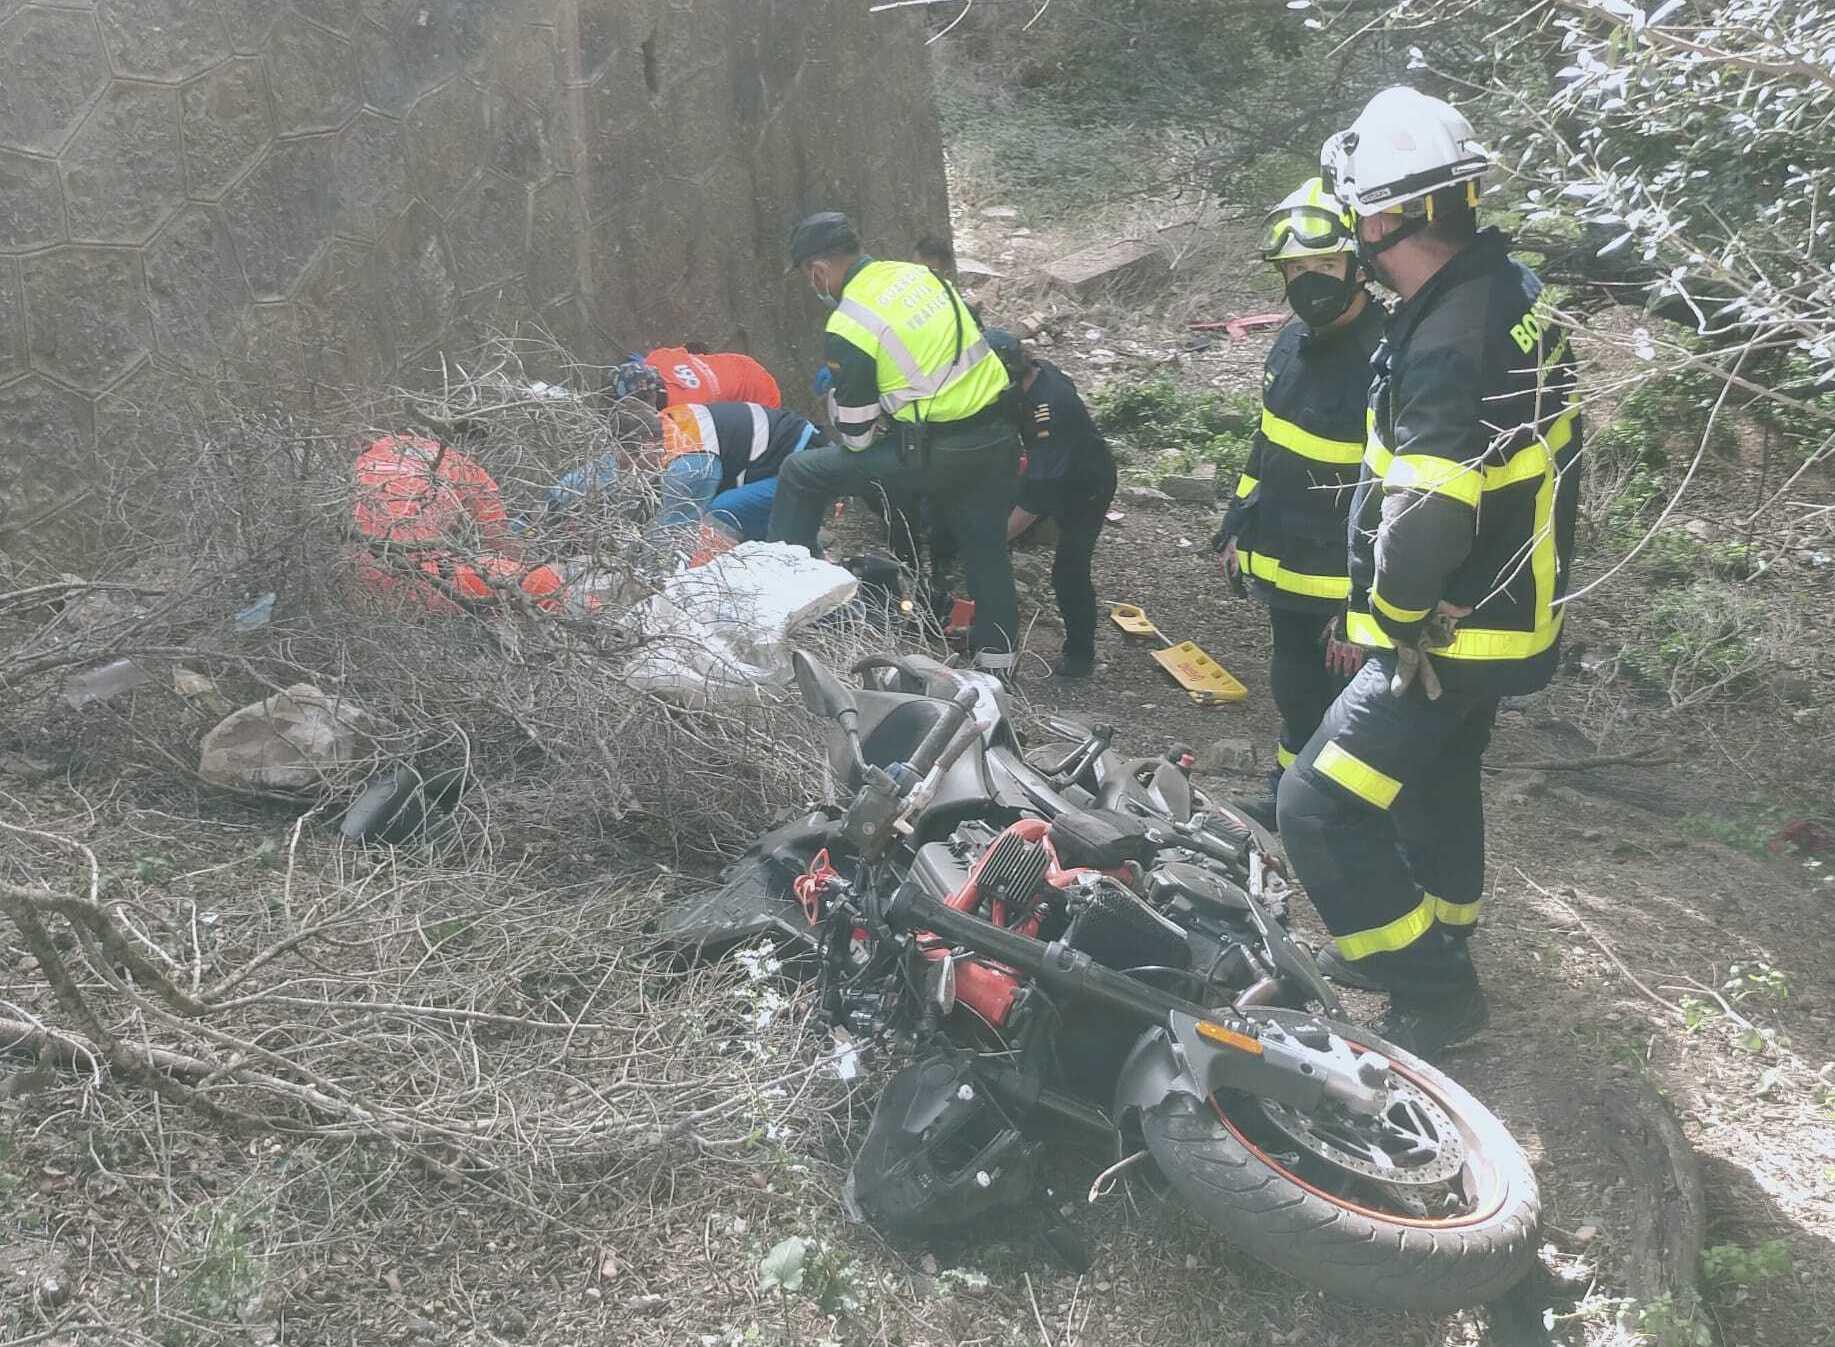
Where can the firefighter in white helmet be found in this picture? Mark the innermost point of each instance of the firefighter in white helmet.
(1462, 537)
(1284, 532)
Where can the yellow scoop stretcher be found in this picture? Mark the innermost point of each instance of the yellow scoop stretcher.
(1205, 681)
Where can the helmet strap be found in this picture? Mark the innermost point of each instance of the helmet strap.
(1409, 227)
(1367, 253)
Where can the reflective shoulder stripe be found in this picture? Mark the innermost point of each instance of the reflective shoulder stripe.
(1390, 937)
(761, 432)
(1357, 776)
(1308, 445)
(1394, 614)
(1284, 757)
(761, 439)
(688, 428)
(1246, 484)
(1434, 476)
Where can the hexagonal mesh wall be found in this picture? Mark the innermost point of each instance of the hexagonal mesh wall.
(298, 197)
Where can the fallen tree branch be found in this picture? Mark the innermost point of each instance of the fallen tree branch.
(1587, 764)
(1668, 1223)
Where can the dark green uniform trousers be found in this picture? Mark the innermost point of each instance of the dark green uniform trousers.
(967, 472)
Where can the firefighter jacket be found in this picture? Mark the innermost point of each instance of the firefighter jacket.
(903, 346)
(1288, 517)
(1471, 478)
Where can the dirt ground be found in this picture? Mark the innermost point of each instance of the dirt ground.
(1616, 915)
(1615, 911)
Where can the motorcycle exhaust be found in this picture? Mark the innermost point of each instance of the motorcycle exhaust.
(1264, 992)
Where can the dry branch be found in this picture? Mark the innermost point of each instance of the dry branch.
(1668, 1221)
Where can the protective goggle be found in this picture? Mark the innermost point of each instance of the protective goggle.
(1297, 230)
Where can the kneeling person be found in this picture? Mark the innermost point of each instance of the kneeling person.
(719, 470)
(1069, 477)
(678, 376)
(1285, 531)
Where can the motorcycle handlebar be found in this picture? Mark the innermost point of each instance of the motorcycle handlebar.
(930, 749)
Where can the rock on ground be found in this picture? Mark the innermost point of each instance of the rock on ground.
(294, 740)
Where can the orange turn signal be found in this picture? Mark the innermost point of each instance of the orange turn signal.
(1229, 1038)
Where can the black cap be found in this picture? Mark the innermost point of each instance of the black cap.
(823, 233)
(1005, 345)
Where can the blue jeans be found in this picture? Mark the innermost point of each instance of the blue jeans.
(691, 492)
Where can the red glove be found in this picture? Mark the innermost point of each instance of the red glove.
(1341, 657)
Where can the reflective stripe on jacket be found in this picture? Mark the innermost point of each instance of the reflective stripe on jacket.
(1291, 505)
(1471, 475)
(931, 361)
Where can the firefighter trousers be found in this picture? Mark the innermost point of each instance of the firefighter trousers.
(1382, 816)
(1303, 687)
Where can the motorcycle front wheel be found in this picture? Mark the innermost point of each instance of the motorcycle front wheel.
(1431, 1206)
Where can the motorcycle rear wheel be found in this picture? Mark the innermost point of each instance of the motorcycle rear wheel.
(1363, 1241)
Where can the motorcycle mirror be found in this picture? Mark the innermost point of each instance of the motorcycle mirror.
(941, 984)
(823, 693)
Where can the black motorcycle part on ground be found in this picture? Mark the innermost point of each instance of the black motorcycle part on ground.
(398, 804)
(1099, 839)
(1343, 1249)
(1116, 929)
(941, 1153)
(754, 897)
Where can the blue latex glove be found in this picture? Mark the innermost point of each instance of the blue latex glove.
(823, 383)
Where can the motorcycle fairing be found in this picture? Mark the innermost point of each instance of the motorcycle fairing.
(754, 896)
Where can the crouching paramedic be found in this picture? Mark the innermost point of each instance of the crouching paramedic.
(1284, 533)
(435, 534)
(1462, 533)
(918, 409)
(676, 376)
(720, 463)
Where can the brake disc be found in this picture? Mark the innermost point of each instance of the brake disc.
(1412, 1143)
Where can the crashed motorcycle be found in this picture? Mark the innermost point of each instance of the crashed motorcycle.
(1071, 946)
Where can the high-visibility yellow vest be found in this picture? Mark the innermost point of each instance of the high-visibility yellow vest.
(934, 364)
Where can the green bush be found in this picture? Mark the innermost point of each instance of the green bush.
(1663, 416)
(1179, 428)
(1725, 1265)
(1702, 638)
(1675, 554)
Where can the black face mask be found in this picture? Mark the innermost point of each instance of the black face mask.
(1320, 300)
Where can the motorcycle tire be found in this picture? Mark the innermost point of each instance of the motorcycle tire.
(1362, 1254)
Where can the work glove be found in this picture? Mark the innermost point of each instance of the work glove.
(1413, 663)
(1341, 657)
(1229, 564)
(824, 382)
